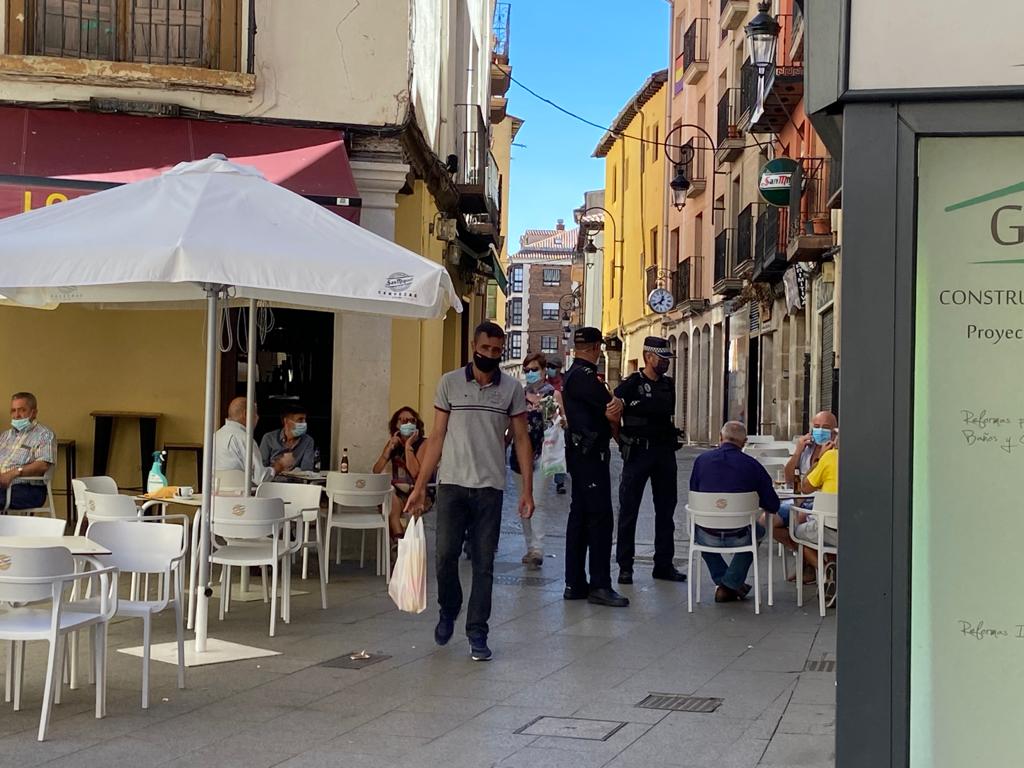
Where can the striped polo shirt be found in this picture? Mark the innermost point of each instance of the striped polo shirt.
(474, 448)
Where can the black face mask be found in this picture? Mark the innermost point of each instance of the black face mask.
(486, 364)
(661, 367)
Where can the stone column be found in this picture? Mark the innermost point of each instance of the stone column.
(362, 343)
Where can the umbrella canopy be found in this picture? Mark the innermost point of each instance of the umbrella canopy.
(212, 222)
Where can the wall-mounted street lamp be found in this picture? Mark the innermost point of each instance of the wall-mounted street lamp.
(680, 155)
(762, 39)
(679, 185)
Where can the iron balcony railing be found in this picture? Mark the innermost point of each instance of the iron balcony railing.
(477, 165)
(695, 166)
(695, 43)
(729, 115)
(809, 195)
(748, 87)
(681, 282)
(651, 279)
(723, 254)
(178, 32)
(502, 29)
(770, 241)
(745, 235)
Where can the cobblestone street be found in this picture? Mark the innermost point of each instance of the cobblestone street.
(564, 689)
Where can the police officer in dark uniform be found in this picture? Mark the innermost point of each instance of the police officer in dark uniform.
(648, 442)
(591, 412)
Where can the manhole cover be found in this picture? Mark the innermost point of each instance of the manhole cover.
(354, 660)
(680, 703)
(521, 581)
(572, 728)
(824, 664)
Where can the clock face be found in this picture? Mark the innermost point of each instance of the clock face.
(660, 300)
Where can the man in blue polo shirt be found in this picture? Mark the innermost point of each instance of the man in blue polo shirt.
(727, 469)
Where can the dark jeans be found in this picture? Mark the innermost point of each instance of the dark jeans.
(590, 520)
(27, 496)
(733, 575)
(659, 466)
(474, 515)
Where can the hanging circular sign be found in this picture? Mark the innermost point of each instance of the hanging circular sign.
(775, 180)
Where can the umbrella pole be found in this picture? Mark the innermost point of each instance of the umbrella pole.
(250, 420)
(250, 398)
(203, 586)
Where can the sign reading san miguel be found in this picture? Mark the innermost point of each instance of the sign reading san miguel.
(775, 180)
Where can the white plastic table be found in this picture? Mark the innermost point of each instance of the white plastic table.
(79, 546)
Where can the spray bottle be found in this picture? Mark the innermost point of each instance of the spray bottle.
(156, 479)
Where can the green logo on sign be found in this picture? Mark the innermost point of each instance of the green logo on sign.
(775, 180)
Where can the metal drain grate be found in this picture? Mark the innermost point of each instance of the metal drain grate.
(348, 662)
(675, 702)
(521, 581)
(572, 728)
(824, 664)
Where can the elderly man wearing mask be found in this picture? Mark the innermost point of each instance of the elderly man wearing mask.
(27, 449)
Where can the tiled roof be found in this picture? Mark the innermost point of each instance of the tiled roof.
(633, 106)
(559, 244)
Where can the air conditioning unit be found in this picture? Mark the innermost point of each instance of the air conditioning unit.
(447, 230)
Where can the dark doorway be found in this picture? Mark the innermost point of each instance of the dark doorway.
(754, 386)
(294, 364)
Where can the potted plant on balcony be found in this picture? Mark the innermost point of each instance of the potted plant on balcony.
(821, 224)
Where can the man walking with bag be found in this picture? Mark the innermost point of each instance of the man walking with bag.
(474, 407)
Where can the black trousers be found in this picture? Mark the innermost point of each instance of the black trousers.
(659, 466)
(591, 520)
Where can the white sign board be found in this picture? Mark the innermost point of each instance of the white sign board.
(935, 44)
(967, 609)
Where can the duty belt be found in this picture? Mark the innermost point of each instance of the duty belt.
(646, 443)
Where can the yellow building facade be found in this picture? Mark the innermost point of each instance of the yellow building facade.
(635, 198)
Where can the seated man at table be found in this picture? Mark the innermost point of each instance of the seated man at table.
(825, 478)
(229, 446)
(291, 442)
(27, 449)
(727, 469)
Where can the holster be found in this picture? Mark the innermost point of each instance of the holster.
(625, 446)
(583, 441)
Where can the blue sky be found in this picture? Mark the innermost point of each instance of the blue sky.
(589, 56)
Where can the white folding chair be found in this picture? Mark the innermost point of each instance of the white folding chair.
(251, 531)
(46, 480)
(722, 511)
(11, 525)
(826, 513)
(305, 499)
(31, 577)
(360, 502)
(147, 547)
(95, 484)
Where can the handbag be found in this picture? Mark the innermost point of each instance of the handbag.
(408, 587)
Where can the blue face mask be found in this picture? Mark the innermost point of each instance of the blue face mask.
(532, 377)
(299, 428)
(406, 430)
(820, 435)
(20, 425)
(552, 372)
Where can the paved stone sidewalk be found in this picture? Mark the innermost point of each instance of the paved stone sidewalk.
(562, 690)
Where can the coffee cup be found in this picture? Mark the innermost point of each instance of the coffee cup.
(186, 491)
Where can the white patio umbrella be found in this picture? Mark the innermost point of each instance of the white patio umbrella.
(202, 232)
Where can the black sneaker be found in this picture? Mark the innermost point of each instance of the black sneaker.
(560, 489)
(478, 650)
(669, 574)
(444, 630)
(625, 575)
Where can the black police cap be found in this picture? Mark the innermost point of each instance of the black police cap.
(587, 335)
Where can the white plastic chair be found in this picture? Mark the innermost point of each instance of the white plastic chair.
(95, 484)
(768, 452)
(251, 531)
(11, 525)
(147, 547)
(826, 512)
(349, 497)
(760, 439)
(45, 479)
(305, 499)
(722, 511)
(29, 578)
(229, 482)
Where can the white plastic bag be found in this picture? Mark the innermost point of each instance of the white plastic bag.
(552, 455)
(408, 587)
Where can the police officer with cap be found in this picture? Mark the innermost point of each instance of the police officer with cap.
(591, 412)
(648, 443)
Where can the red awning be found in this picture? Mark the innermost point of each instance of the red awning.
(41, 147)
